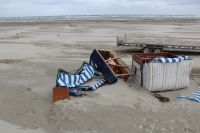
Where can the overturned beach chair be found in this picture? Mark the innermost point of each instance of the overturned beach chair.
(110, 65)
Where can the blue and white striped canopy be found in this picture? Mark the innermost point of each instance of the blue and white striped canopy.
(73, 80)
(194, 98)
(76, 81)
(171, 60)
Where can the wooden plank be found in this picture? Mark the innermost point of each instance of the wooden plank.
(60, 93)
(118, 65)
(112, 59)
(123, 75)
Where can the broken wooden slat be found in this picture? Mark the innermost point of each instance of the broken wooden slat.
(117, 65)
(110, 59)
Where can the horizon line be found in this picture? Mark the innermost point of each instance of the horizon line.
(145, 15)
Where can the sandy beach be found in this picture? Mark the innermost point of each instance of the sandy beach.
(32, 52)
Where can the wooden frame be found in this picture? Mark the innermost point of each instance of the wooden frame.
(110, 65)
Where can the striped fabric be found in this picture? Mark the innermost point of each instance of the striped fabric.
(171, 60)
(80, 90)
(195, 96)
(98, 84)
(74, 80)
(184, 57)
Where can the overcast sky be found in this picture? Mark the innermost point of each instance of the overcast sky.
(18, 8)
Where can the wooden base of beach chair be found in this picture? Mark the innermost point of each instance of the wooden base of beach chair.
(60, 93)
(110, 65)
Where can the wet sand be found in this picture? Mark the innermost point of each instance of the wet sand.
(31, 53)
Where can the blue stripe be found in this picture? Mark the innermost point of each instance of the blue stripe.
(188, 98)
(60, 77)
(173, 60)
(81, 80)
(197, 97)
(64, 81)
(98, 83)
(69, 80)
(75, 80)
(166, 60)
(85, 76)
(197, 94)
(198, 91)
(87, 71)
(159, 59)
(91, 70)
(192, 99)
(84, 86)
(96, 86)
